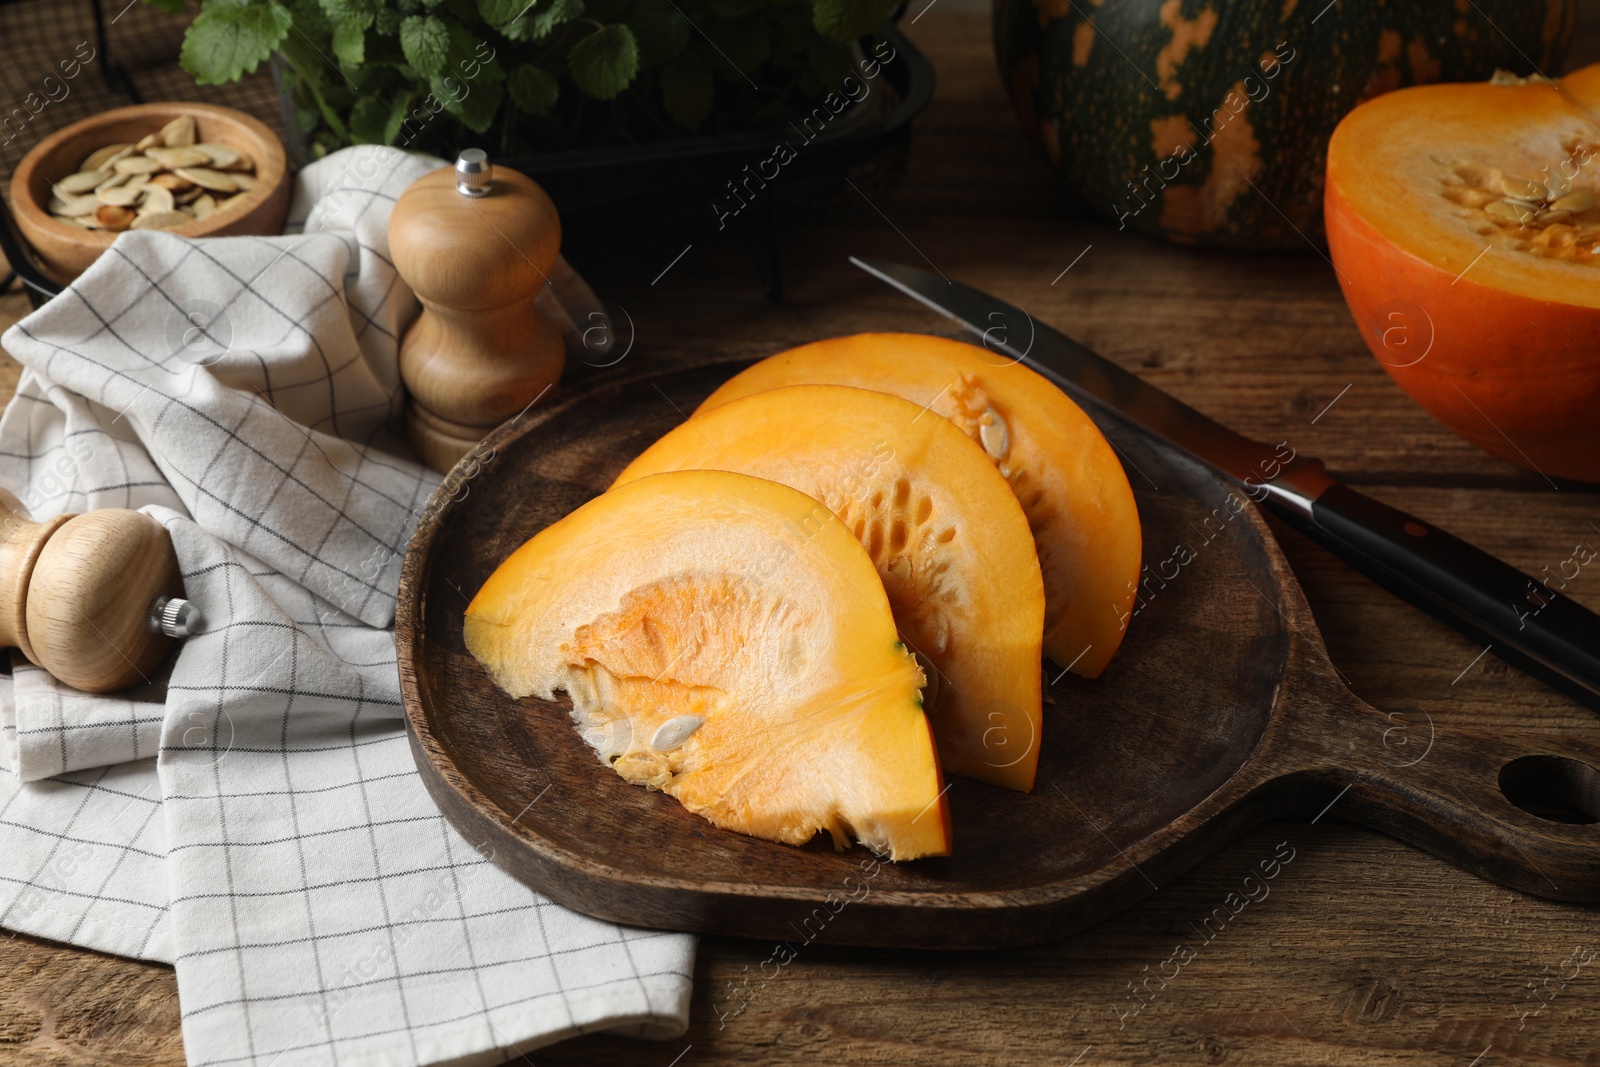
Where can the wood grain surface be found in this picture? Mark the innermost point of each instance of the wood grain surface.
(1365, 951)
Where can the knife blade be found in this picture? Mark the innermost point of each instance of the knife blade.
(1519, 618)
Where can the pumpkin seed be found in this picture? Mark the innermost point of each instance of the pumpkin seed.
(1552, 215)
(83, 181)
(136, 165)
(1556, 186)
(1472, 172)
(73, 207)
(901, 568)
(157, 201)
(102, 158)
(1582, 200)
(173, 158)
(147, 142)
(120, 196)
(1491, 179)
(245, 182)
(172, 183)
(178, 132)
(112, 217)
(221, 156)
(1505, 209)
(164, 220)
(1522, 189)
(994, 433)
(206, 178)
(114, 181)
(203, 205)
(1469, 197)
(675, 731)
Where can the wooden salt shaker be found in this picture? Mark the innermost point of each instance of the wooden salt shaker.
(95, 599)
(475, 243)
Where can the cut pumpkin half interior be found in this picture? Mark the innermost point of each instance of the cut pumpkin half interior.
(1464, 223)
(1061, 469)
(1449, 171)
(948, 538)
(725, 639)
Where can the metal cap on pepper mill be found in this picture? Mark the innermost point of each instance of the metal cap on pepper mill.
(475, 242)
(474, 173)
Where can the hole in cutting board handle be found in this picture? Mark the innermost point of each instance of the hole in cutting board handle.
(1553, 788)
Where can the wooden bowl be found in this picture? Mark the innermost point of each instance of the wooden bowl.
(65, 250)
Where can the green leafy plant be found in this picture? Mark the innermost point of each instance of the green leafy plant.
(515, 75)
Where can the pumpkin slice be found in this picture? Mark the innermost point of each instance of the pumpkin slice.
(1464, 221)
(1062, 470)
(726, 640)
(949, 540)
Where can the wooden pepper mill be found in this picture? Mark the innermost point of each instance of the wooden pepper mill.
(95, 599)
(475, 244)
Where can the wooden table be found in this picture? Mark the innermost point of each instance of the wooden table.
(1366, 951)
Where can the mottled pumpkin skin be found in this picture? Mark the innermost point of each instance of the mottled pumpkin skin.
(1207, 121)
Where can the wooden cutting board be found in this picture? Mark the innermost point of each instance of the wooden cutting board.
(1221, 711)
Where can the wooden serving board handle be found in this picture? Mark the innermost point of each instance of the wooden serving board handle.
(95, 599)
(1522, 810)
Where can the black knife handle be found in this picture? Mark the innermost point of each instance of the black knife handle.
(1527, 621)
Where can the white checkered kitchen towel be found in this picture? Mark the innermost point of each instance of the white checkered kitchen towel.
(253, 814)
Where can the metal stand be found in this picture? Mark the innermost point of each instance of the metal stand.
(115, 74)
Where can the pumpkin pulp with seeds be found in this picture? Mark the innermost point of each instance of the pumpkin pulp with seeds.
(725, 639)
(1061, 469)
(949, 540)
(1464, 222)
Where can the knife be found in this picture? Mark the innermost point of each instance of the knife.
(1521, 619)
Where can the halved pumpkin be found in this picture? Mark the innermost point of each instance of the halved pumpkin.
(726, 640)
(1464, 222)
(949, 541)
(1061, 468)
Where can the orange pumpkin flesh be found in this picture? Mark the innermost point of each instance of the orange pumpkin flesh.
(1482, 305)
(744, 604)
(1061, 469)
(949, 541)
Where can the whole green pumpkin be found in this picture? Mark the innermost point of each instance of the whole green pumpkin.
(1207, 121)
